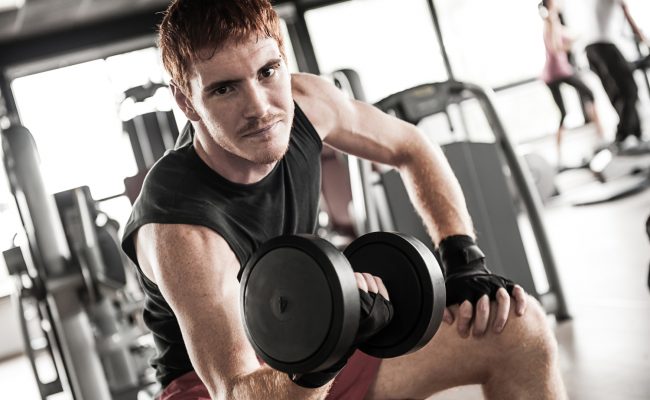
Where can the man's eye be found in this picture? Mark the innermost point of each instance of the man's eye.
(221, 90)
(268, 72)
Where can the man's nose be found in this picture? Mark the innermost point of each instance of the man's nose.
(257, 104)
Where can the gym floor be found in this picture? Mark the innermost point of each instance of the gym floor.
(603, 254)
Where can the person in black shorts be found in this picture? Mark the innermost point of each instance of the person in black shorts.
(613, 69)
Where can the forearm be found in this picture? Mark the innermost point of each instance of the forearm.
(635, 28)
(555, 34)
(268, 383)
(435, 191)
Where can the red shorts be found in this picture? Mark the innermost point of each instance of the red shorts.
(352, 383)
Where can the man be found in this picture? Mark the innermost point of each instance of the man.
(252, 172)
(613, 70)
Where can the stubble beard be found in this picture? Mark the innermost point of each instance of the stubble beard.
(273, 155)
(264, 156)
(270, 157)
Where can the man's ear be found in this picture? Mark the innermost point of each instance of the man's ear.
(184, 102)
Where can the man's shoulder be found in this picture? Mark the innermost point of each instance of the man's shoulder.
(167, 176)
(320, 100)
(307, 87)
(303, 78)
(173, 163)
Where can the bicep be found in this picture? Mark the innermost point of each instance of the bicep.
(355, 127)
(196, 271)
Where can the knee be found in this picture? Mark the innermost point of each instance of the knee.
(530, 336)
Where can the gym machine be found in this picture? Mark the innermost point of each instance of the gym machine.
(151, 130)
(77, 300)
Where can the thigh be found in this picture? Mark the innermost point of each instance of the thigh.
(620, 71)
(599, 65)
(449, 360)
(356, 378)
(580, 86)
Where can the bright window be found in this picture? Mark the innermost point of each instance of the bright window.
(492, 42)
(391, 44)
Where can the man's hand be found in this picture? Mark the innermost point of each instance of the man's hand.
(371, 284)
(473, 292)
(376, 309)
(476, 317)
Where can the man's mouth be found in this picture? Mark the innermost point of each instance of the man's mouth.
(262, 129)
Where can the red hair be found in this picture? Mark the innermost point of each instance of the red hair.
(193, 28)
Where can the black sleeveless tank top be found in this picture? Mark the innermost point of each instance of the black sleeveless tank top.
(182, 189)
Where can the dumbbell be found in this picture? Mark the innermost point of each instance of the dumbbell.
(300, 301)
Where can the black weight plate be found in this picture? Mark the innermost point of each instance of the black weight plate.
(300, 303)
(415, 286)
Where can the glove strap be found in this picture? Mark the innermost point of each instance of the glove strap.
(457, 251)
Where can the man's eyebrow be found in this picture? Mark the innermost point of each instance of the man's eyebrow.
(272, 62)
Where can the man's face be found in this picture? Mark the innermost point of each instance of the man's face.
(242, 98)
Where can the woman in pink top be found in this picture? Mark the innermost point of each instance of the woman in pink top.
(558, 70)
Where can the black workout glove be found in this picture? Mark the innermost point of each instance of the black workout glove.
(376, 314)
(466, 276)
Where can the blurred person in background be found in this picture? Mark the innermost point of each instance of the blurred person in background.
(614, 71)
(558, 70)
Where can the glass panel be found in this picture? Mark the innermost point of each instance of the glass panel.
(492, 42)
(74, 115)
(391, 44)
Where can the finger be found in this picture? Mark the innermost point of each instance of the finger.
(361, 282)
(521, 300)
(464, 318)
(503, 308)
(370, 280)
(448, 316)
(482, 315)
(382, 289)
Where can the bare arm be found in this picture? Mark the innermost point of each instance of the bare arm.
(196, 272)
(362, 130)
(635, 28)
(553, 33)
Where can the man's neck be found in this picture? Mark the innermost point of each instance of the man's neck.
(230, 166)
